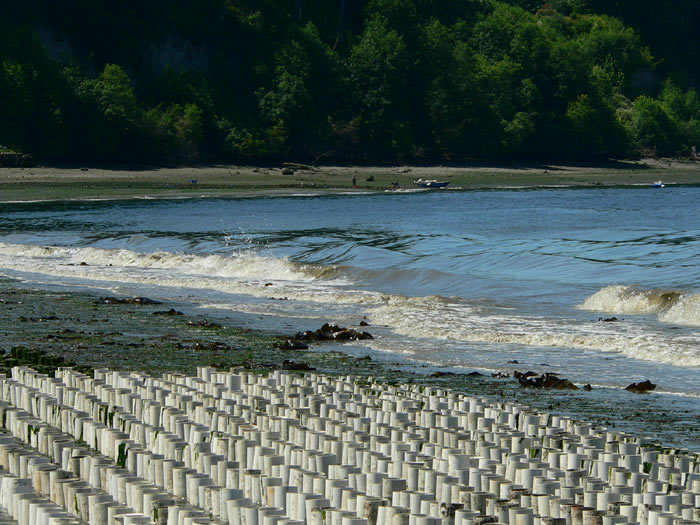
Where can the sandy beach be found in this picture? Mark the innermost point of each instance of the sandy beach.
(58, 183)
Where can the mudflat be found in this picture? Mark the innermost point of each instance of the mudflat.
(58, 183)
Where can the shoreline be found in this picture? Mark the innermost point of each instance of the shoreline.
(89, 333)
(41, 184)
(93, 335)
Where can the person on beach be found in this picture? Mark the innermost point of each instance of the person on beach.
(354, 181)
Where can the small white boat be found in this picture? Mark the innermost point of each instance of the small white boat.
(658, 184)
(430, 183)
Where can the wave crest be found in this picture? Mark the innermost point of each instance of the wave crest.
(620, 299)
(467, 324)
(686, 311)
(247, 265)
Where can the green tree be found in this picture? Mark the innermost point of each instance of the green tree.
(684, 110)
(651, 127)
(378, 69)
(110, 117)
(302, 95)
(175, 133)
(587, 113)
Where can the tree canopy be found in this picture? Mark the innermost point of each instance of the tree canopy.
(349, 80)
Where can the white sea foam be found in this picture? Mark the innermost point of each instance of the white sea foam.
(243, 273)
(310, 292)
(619, 299)
(671, 306)
(685, 311)
(239, 265)
(468, 324)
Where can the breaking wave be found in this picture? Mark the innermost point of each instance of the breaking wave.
(686, 311)
(472, 325)
(620, 299)
(314, 290)
(239, 265)
(671, 306)
(241, 273)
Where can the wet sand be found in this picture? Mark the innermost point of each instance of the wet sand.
(59, 183)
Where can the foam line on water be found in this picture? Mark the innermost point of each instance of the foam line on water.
(430, 317)
(467, 324)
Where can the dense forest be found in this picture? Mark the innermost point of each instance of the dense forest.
(171, 81)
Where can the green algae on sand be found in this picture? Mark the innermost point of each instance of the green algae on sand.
(64, 328)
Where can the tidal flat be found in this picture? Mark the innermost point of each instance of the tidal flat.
(87, 332)
(99, 182)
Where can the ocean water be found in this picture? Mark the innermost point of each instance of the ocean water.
(459, 279)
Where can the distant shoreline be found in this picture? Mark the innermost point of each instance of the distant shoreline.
(45, 183)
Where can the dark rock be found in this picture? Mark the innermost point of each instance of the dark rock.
(329, 332)
(134, 300)
(213, 346)
(287, 171)
(325, 333)
(110, 300)
(306, 336)
(440, 373)
(365, 358)
(514, 362)
(204, 324)
(546, 380)
(364, 323)
(525, 375)
(293, 344)
(172, 311)
(83, 263)
(343, 335)
(291, 365)
(607, 319)
(643, 386)
(142, 300)
(587, 388)
(500, 375)
(564, 384)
